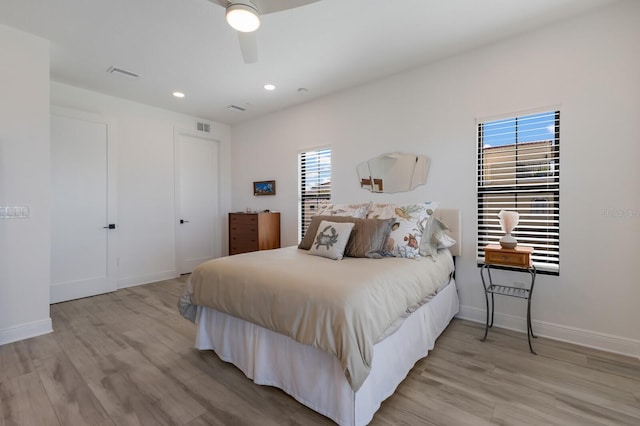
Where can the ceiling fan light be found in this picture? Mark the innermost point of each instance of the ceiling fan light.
(242, 17)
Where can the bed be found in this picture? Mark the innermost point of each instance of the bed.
(342, 375)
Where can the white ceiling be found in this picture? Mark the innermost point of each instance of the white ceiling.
(324, 47)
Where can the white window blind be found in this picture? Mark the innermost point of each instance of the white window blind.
(519, 170)
(314, 169)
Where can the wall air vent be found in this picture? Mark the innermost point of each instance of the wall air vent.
(236, 108)
(203, 127)
(115, 70)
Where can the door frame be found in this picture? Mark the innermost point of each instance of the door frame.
(61, 292)
(177, 133)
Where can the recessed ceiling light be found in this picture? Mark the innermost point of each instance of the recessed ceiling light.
(178, 94)
(269, 87)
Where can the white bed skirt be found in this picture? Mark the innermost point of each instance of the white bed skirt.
(315, 378)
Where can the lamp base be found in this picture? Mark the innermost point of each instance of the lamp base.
(508, 241)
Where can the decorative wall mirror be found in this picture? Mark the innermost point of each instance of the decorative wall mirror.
(394, 172)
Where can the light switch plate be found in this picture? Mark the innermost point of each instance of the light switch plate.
(15, 212)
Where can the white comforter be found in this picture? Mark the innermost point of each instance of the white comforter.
(342, 307)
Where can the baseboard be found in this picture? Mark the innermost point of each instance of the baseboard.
(25, 331)
(146, 279)
(578, 336)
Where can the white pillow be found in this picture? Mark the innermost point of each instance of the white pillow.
(406, 234)
(331, 239)
(434, 237)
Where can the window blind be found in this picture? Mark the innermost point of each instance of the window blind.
(314, 169)
(519, 170)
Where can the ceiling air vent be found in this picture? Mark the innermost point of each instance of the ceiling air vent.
(115, 70)
(204, 127)
(236, 108)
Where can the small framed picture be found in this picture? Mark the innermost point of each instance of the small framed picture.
(265, 187)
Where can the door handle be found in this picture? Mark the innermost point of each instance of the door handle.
(111, 226)
(184, 221)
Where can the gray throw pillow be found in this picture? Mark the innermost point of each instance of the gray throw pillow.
(368, 237)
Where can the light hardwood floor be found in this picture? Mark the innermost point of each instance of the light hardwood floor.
(126, 358)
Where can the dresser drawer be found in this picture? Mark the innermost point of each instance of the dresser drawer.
(244, 246)
(243, 230)
(251, 240)
(243, 219)
(507, 258)
(514, 259)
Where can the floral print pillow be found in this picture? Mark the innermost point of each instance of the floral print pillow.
(406, 234)
(354, 210)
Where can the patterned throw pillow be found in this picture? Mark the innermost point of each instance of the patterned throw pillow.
(353, 210)
(367, 237)
(406, 233)
(434, 237)
(331, 239)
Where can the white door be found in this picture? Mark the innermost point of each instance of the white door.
(82, 243)
(197, 210)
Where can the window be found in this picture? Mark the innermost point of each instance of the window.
(314, 169)
(519, 170)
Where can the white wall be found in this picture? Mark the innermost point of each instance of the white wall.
(24, 181)
(144, 137)
(589, 67)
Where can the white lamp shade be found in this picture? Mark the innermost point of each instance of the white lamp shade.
(242, 17)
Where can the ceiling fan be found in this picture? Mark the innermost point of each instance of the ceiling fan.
(244, 17)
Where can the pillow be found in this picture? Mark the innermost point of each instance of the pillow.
(353, 210)
(406, 234)
(367, 237)
(434, 237)
(331, 239)
(310, 236)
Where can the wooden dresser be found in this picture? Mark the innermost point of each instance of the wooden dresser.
(253, 231)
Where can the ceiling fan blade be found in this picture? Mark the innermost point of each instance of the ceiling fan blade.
(267, 6)
(222, 3)
(249, 47)
(271, 6)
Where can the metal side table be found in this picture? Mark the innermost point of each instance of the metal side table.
(520, 258)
